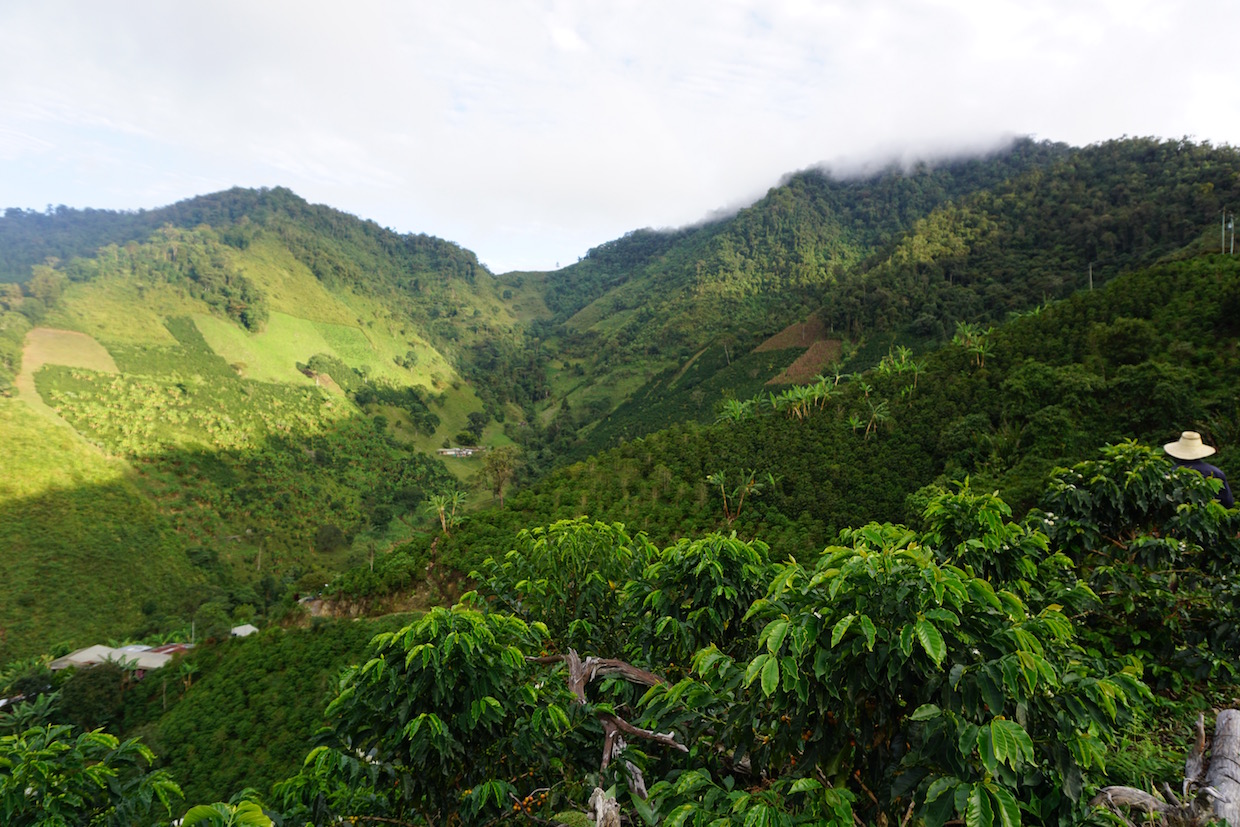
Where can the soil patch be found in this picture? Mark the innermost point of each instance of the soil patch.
(48, 346)
(802, 334)
(810, 364)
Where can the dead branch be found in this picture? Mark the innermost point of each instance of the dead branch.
(667, 739)
(1195, 763)
(1210, 789)
(606, 809)
(580, 674)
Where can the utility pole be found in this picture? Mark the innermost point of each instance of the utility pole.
(1091, 277)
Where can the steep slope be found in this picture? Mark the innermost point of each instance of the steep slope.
(87, 555)
(737, 275)
(897, 257)
(1103, 210)
(1152, 353)
(264, 392)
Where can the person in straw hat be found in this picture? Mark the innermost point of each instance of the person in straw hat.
(1189, 452)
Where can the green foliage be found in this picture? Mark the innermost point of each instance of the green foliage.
(887, 676)
(411, 400)
(693, 595)
(916, 679)
(1150, 539)
(248, 717)
(448, 710)
(973, 668)
(498, 467)
(13, 328)
(71, 525)
(1110, 207)
(245, 814)
(232, 455)
(568, 577)
(53, 776)
(92, 696)
(194, 260)
(32, 711)
(695, 798)
(346, 377)
(970, 529)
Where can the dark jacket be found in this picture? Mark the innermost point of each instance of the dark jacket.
(1208, 470)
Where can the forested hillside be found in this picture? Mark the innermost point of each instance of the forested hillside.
(938, 573)
(256, 387)
(1150, 354)
(900, 256)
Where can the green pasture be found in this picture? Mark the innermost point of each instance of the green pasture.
(527, 288)
(459, 403)
(39, 457)
(126, 310)
(273, 354)
(289, 285)
(391, 336)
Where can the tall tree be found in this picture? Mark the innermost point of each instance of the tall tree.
(498, 466)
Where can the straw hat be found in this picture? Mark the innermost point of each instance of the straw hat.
(1188, 446)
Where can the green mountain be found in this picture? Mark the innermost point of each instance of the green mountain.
(235, 405)
(901, 257)
(262, 382)
(215, 409)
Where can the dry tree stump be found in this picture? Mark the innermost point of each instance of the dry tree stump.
(1210, 790)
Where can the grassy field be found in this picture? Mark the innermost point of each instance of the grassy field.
(270, 356)
(526, 302)
(123, 310)
(289, 285)
(46, 346)
(77, 535)
(459, 403)
(38, 458)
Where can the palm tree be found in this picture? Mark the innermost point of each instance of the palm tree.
(444, 506)
(456, 499)
(733, 410)
(186, 673)
(917, 369)
(878, 415)
(437, 504)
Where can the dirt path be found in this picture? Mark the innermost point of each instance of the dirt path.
(47, 346)
(687, 365)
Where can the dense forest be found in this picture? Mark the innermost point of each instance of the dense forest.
(944, 575)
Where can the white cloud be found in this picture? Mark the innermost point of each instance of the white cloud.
(529, 130)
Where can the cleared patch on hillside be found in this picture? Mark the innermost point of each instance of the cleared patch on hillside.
(127, 310)
(801, 334)
(811, 363)
(273, 354)
(289, 285)
(48, 346)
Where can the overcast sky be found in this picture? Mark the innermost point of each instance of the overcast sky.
(532, 131)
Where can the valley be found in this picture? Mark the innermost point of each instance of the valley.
(878, 451)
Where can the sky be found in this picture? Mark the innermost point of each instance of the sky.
(531, 130)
